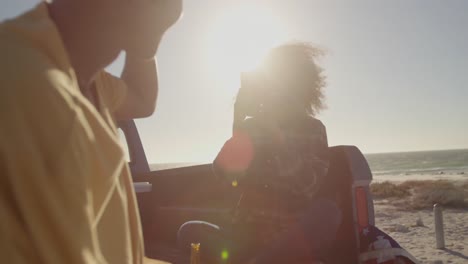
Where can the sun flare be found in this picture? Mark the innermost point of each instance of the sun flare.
(241, 36)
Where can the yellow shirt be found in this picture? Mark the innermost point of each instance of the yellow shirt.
(66, 195)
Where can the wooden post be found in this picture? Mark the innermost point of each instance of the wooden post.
(439, 226)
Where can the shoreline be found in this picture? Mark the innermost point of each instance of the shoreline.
(452, 177)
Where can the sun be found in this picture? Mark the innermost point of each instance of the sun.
(241, 35)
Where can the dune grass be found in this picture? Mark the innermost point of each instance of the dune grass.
(423, 194)
(385, 190)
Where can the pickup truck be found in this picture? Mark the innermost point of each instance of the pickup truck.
(168, 198)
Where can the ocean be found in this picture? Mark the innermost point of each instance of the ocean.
(172, 165)
(420, 162)
(397, 164)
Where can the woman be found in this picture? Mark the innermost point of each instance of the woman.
(278, 155)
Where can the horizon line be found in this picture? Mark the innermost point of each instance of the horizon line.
(412, 151)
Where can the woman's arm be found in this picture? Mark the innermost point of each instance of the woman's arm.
(235, 156)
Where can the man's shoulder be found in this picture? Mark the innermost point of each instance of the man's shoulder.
(32, 54)
(35, 100)
(19, 54)
(26, 70)
(26, 73)
(33, 87)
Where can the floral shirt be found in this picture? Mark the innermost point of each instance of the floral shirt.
(279, 167)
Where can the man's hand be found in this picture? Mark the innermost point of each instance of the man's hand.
(152, 19)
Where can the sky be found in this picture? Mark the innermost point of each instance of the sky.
(396, 71)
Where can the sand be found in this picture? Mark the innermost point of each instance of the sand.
(414, 230)
(455, 177)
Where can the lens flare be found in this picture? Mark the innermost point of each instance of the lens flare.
(224, 255)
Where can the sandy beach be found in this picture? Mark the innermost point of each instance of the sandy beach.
(414, 228)
(453, 177)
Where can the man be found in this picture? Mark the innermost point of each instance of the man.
(66, 195)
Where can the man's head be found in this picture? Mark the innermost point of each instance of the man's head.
(145, 23)
(295, 77)
(139, 25)
(124, 24)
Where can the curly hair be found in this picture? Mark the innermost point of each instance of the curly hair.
(292, 66)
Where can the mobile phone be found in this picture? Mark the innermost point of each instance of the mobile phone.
(249, 96)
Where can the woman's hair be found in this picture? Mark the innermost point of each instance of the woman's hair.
(292, 69)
